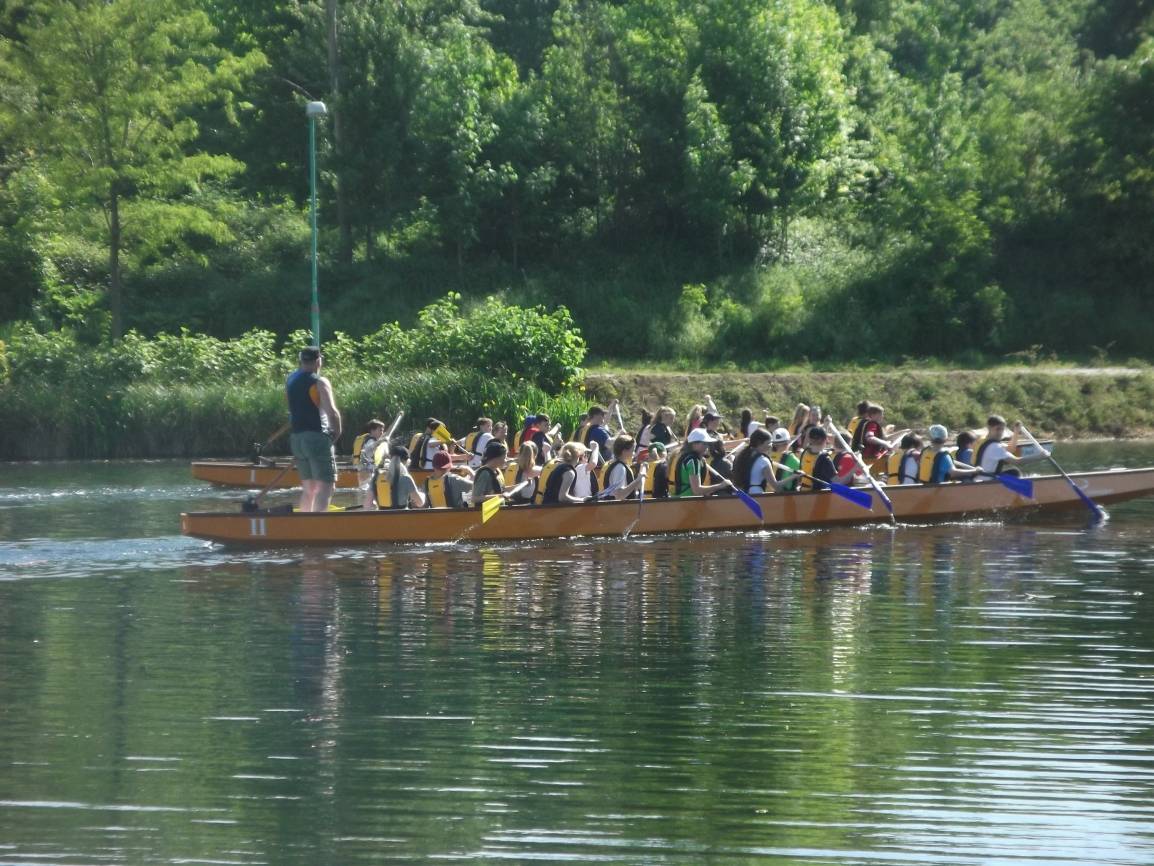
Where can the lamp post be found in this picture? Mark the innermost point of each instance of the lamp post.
(313, 110)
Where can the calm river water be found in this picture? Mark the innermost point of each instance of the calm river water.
(963, 694)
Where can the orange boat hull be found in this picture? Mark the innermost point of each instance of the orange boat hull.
(912, 503)
(252, 476)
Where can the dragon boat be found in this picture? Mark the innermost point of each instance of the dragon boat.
(911, 504)
(272, 473)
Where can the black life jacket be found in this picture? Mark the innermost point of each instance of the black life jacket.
(553, 485)
(629, 476)
(417, 458)
(498, 485)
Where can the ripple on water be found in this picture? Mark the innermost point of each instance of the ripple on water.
(969, 694)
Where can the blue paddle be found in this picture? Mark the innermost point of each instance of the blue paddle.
(862, 468)
(860, 498)
(1021, 486)
(746, 500)
(1015, 484)
(1095, 508)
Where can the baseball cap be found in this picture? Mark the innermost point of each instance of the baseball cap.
(938, 433)
(700, 434)
(441, 460)
(781, 435)
(657, 447)
(709, 416)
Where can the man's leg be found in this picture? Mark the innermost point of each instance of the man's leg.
(322, 495)
(308, 495)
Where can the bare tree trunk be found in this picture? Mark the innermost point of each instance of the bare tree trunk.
(115, 289)
(345, 251)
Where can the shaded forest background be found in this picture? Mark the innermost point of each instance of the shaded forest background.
(727, 180)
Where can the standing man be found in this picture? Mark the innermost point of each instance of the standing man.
(316, 425)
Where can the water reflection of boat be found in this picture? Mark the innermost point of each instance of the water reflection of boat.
(272, 472)
(912, 503)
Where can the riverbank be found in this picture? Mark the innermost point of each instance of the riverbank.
(1068, 402)
(149, 421)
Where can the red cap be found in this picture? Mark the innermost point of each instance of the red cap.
(442, 460)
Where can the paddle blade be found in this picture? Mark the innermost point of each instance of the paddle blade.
(1021, 486)
(861, 498)
(441, 434)
(381, 451)
(490, 507)
(750, 503)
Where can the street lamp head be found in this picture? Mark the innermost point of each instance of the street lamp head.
(315, 109)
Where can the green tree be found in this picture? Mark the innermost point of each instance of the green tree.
(465, 84)
(108, 90)
(775, 72)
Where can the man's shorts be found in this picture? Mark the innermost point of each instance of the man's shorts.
(314, 455)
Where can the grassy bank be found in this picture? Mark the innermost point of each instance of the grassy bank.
(1071, 403)
(150, 420)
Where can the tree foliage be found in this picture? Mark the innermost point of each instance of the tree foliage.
(952, 175)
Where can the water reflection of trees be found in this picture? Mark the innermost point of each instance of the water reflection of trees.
(731, 687)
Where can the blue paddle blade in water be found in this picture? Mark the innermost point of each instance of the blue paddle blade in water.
(857, 497)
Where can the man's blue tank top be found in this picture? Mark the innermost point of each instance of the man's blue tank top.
(304, 413)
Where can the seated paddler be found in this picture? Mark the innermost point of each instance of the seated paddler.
(487, 480)
(752, 468)
(474, 443)
(992, 455)
(618, 475)
(816, 461)
(594, 433)
(394, 486)
(689, 472)
(445, 488)
(559, 476)
(523, 469)
(936, 463)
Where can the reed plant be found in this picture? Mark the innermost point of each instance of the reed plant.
(143, 420)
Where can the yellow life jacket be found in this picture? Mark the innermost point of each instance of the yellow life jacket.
(894, 464)
(979, 447)
(414, 440)
(385, 497)
(926, 465)
(851, 427)
(580, 433)
(518, 438)
(436, 493)
(358, 444)
(509, 474)
(650, 473)
(471, 443)
(808, 462)
(543, 480)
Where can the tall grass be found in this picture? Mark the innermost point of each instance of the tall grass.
(151, 420)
